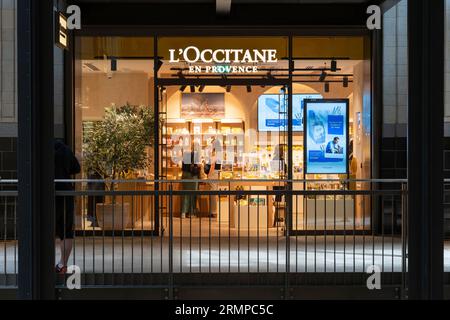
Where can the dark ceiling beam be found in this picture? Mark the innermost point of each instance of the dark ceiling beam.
(188, 14)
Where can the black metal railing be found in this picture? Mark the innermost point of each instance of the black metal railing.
(277, 231)
(256, 229)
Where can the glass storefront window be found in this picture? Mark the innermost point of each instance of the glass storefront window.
(337, 70)
(248, 121)
(114, 118)
(227, 101)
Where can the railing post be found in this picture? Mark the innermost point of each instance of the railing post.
(287, 217)
(171, 295)
(404, 237)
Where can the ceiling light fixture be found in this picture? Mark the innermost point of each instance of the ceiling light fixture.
(249, 89)
(322, 77)
(228, 88)
(201, 88)
(192, 89)
(327, 87)
(223, 7)
(113, 64)
(333, 65)
(345, 82)
(182, 88)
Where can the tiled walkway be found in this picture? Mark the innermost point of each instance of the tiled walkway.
(151, 254)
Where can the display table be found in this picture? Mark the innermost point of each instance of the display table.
(254, 186)
(140, 207)
(250, 217)
(226, 205)
(332, 213)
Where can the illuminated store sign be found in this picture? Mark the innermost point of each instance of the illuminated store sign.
(192, 55)
(61, 31)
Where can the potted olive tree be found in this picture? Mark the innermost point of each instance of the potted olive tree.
(115, 148)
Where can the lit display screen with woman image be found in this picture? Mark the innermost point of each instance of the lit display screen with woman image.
(326, 136)
(272, 114)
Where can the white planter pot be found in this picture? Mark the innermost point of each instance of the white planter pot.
(113, 216)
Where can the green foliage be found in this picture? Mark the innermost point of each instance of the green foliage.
(117, 145)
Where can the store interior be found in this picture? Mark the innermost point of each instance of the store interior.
(323, 68)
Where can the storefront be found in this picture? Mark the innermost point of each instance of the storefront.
(289, 100)
(278, 111)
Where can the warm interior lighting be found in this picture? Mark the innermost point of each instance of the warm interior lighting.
(176, 120)
(202, 120)
(230, 120)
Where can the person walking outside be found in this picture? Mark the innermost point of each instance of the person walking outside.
(66, 165)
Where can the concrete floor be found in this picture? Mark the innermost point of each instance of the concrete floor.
(204, 254)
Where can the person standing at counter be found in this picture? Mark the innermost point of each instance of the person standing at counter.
(278, 164)
(190, 171)
(212, 169)
(353, 167)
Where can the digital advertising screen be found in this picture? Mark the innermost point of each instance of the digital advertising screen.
(272, 108)
(326, 136)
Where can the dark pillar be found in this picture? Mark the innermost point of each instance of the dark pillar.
(35, 149)
(425, 148)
